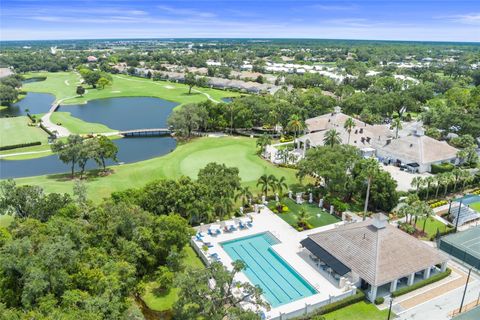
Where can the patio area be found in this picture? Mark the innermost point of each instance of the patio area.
(209, 239)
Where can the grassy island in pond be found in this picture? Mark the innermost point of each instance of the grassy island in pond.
(186, 160)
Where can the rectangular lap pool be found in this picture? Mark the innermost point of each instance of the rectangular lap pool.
(264, 267)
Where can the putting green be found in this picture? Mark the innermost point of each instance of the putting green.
(231, 155)
(186, 159)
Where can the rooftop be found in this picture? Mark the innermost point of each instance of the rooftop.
(378, 251)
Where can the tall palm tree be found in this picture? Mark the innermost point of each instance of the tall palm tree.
(267, 182)
(467, 177)
(440, 180)
(281, 185)
(370, 169)
(456, 173)
(332, 138)
(244, 194)
(417, 182)
(295, 124)
(397, 125)
(429, 181)
(425, 211)
(448, 178)
(349, 125)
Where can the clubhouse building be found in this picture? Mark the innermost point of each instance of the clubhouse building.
(412, 149)
(374, 256)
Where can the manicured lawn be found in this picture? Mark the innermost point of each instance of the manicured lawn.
(431, 226)
(312, 210)
(75, 125)
(15, 130)
(186, 159)
(360, 310)
(166, 300)
(5, 220)
(475, 206)
(122, 86)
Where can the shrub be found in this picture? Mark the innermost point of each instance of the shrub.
(20, 145)
(420, 284)
(379, 300)
(357, 297)
(442, 167)
(438, 204)
(408, 228)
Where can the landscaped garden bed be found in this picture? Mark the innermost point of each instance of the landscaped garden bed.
(315, 217)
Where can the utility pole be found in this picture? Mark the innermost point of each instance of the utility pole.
(465, 290)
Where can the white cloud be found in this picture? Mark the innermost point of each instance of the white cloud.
(470, 18)
(186, 12)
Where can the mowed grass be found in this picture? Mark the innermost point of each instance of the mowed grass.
(475, 206)
(166, 300)
(186, 159)
(431, 226)
(360, 310)
(78, 126)
(15, 130)
(122, 86)
(312, 210)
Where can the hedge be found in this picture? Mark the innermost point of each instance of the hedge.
(379, 300)
(442, 233)
(443, 167)
(20, 145)
(423, 283)
(357, 297)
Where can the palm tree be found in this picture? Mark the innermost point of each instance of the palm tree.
(423, 210)
(456, 173)
(295, 124)
(397, 125)
(439, 180)
(268, 182)
(263, 142)
(370, 169)
(417, 182)
(281, 185)
(302, 217)
(467, 177)
(429, 181)
(244, 194)
(448, 178)
(349, 125)
(332, 138)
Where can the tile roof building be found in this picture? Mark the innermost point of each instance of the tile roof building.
(375, 254)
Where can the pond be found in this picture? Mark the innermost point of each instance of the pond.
(124, 113)
(116, 113)
(129, 150)
(33, 101)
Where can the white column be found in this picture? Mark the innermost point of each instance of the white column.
(411, 278)
(443, 268)
(426, 273)
(393, 285)
(373, 293)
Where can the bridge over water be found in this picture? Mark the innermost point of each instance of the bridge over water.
(146, 132)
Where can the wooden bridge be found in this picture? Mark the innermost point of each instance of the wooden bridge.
(146, 132)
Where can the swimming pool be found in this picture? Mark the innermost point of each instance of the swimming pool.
(264, 267)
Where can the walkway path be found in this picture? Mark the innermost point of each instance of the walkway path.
(61, 131)
(22, 153)
(206, 95)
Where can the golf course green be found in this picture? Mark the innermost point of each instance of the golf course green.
(185, 160)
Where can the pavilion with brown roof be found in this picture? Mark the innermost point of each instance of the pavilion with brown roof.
(374, 254)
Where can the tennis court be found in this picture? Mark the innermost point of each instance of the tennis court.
(464, 246)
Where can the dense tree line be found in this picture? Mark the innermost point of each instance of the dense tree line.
(9, 88)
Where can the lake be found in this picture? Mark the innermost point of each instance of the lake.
(117, 113)
(33, 101)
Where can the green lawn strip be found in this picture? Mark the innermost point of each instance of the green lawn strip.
(5, 220)
(475, 206)
(122, 86)
(431, 226)
(312, 210)
(75, 125)
(15, 130)
(186, 159)
(166, 300)
(359, 310)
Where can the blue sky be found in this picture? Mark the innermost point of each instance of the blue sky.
(384, 20)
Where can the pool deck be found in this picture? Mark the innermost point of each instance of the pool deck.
(288, 249)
